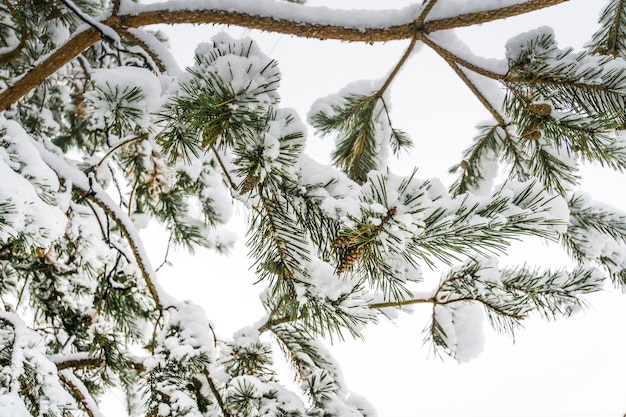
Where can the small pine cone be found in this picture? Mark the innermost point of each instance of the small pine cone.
(464, 165)
(352, 255)
(341, 241)
(540, 109)
(80, 107)
(248, 184)
(531, 133)
(601, 51)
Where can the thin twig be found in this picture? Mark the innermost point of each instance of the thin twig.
(400, 303)
(117, 146)
(88, 20)
(454, 62)
(397, 68)
(224, 169)
(216, 394)
(427, 8)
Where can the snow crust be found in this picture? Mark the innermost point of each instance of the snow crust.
(360, 19)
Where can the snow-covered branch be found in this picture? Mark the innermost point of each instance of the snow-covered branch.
(90, 190)
(270, 16)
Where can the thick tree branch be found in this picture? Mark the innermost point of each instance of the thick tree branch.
(90, 36)
(323, 31)
(48, 66)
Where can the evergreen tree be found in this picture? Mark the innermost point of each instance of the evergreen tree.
(101, 134)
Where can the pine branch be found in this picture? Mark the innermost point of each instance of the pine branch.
(80, 392)
(487, 145)
(91, 36)
(85, 189)
(578, 83)
(609, 39)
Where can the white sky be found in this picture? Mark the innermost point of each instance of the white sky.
(571, 368)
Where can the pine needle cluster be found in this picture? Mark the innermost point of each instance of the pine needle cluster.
(114, 139)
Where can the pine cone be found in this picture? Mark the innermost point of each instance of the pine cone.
(531, 133)
(80, 107)
(248, 184)
(540, 109)
(341, 241)
(352, 255)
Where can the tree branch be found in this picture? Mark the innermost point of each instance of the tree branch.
(424, 13)
(80, 392)
(137, 252)
(216, 394)
(147, 49)
(397, 68)
(48, 66)
(83, 187)
(476, 18)
(90, 36)
(87, 362)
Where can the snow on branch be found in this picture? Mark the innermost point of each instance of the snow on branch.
(287, 18)
(89, 189)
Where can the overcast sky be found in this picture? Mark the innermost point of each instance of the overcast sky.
(573, 367)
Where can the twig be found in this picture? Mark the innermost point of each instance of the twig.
(224, 169)
(101, 28)
(400, 303)
(216, 394)
(117, 146)
(427, 8)
(397, 68)
(454, 62)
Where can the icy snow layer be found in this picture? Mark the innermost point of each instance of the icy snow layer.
(360, 19)
(451, 8)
